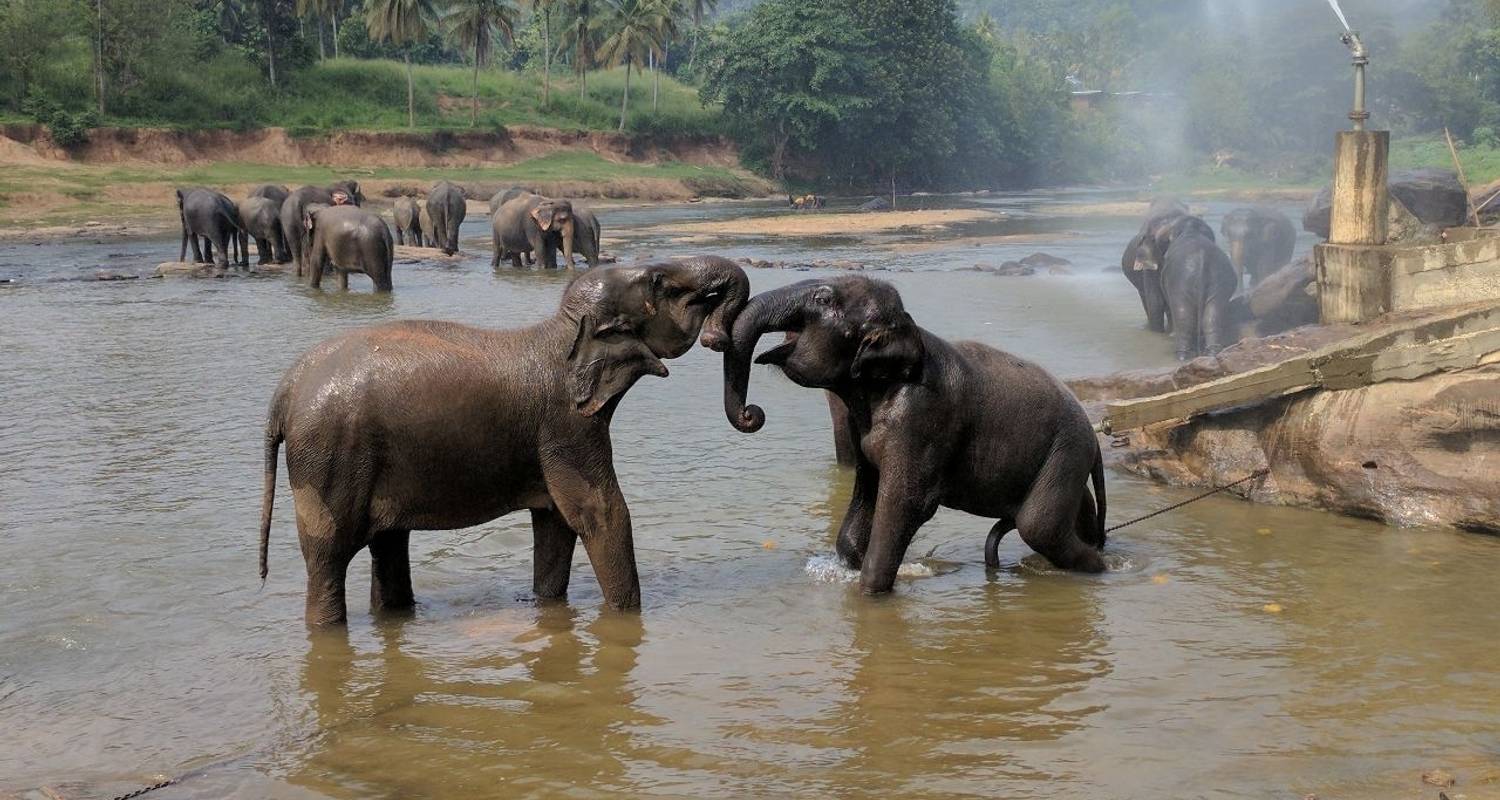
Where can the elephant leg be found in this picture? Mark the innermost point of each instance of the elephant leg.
(588, 498)
(1155, 302)
(315, 270)
(400, 235)
(244, 243)
(343, 280)
(907, 498)
(197, 251)
(327, 555)
(1049, 517)
(1186, 317)
(844, 438)
(262, 251)
(553, 547)
(854, 531)
(390, 571)
(1215, 325)
(1001, 527)
(515, 260)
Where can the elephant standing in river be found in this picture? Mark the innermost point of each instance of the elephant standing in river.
(1197, 282)
(213, 218)
(408, 221)
(1260, 241)
(425, 425)
(274, 192)
(349, 239)
(1143, 275)
(536, 224)
(447, 206)
(586, 235)
(294, 208)
(504, 196)
(956, 424)
(260, 219)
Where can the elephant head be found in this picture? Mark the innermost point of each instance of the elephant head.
(351, 192)
(842, 331)
(556, 216)
(630, 317)
(310, 217)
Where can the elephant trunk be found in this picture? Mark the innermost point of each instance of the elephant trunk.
(725, 277)
(568, 228)
(775, 310)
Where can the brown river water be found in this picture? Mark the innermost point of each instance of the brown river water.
(1232, 651)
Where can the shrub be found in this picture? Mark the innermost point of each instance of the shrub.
(68, 129)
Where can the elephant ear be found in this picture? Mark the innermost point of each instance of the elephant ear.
(891, 354)
(606, 360)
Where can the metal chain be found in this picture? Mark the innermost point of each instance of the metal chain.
(143, 790)
(1260, 473)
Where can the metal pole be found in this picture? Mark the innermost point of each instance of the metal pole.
(1361, 58)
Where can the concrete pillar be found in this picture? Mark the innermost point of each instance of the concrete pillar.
(1361, 201)
(1353, 267)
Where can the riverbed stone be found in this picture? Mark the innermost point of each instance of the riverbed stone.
(1433, 196)
(1011, 269)
(1045, 261)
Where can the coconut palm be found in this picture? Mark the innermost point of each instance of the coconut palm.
(699, 9)
(544, 8)
(580, 34)
(472, 25)
(402, 23)
(323, 11)
(666, 12)
(636, 33)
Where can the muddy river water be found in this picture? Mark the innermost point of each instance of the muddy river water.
(1234, 651)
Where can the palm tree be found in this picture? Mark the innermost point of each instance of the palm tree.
(472, 25)
(666, 13)
(317, 9)
(544, 8)
(636, 35)
(402, 23)
(699, 9)
(580, 34)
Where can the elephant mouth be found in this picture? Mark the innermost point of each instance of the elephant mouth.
(778, 355)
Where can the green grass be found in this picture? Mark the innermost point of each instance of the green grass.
(1481, 162)
(370, 95)
(1229, 180)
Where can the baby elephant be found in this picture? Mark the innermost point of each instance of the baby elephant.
(350, 239)
(959, 424)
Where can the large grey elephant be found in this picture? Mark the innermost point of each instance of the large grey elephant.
(504, 196)
(295, 205)
(447, 206)
(408, 221)
(536, 224)
(348, 239)
(274, 192)
(260, 219)
(425, 425)
(1197, 282)
(214, 219)
(1143, 275)
(957, 424)
(1260, 241)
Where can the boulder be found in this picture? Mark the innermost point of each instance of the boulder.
(876, 204)
(1432, 196)
(1045, 261)
(1012, 269)
(1285, 299)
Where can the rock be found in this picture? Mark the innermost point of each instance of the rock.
(1438, 778)
(876, 204)
(1433, 196)
(1014, 269)
(1285, 299)
(114, 276)
(1044, 261)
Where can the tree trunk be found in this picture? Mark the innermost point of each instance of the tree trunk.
(655, 83)
(474, 112)
(411, 95)
(268, 10)
(322, 53)
(625, 98)
(693, 48)
(335, 20)
(99, 54)
(778, 154)
(546, 58)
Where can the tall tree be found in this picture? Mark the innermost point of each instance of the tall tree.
(324, 11)
(543, 8)
(700, 9)
(32, 34)
(472, 25)
(666, 14)
(636, 33)
(402, 23)
(580, 34)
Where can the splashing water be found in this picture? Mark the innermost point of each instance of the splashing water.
(827, 568)
(1334, 4)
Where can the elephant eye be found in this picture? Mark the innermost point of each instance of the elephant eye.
(823, 297)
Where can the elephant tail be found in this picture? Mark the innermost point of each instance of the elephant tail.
(275, 435)
(1100, 504)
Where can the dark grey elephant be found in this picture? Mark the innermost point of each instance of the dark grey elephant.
(957, 424)
(348, 239)
(1260, 241)
(295, 205)
(586, 236)
(1197, 281)
(447, 206)
(1143, 275)
(425, 425)
(214, 219)
(536, 224)
(274, 192)
(408, 221)
(260, 219)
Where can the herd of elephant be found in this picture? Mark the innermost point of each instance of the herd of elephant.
(426, 425)
(318, 228)
(1186, 281)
